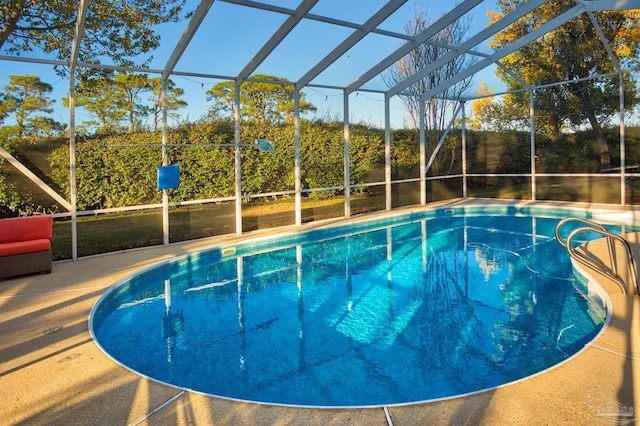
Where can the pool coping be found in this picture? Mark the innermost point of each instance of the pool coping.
(52, 372)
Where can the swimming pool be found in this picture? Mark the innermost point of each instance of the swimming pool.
(408, 308)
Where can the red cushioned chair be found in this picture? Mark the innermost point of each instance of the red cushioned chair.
(25, 245)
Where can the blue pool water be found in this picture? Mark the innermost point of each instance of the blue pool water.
(409, 308)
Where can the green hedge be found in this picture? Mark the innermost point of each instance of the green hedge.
(111, 176)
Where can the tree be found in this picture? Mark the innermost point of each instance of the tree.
(99, 97)
(5, 107)
(482, 116)
(26, 97)
(265, 102)
(172, 98)
(571, 53)
(117, 30)
(115, 99)
(490, 114)
(130, 87)
(437, 111)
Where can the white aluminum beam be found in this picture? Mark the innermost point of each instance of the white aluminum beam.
(514, 75)
(468, 45)
(314, 17)
(382, 14)
(604, 41)
(33, 60)
(423, 157)
(75, 49)
(35, 179)
(73, 190)
(286, 27)
(443, 137)
(165, 162)
(387, 156)
(429, 32)
(532, 146)
(346, 156)
(187, 35)
(238, 159)
(297, 157)
(510, 48)
(482, 55)
(452, 47)
(623, 146)
(600, 5)
(464, 150)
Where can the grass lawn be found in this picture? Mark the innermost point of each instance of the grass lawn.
(113, 232)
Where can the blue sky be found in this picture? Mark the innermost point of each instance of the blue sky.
(230, 35)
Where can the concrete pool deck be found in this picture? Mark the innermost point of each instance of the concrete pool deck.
(51, 372)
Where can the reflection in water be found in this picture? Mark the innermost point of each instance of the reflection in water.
(172, 323)
(408, 312)
(487, 262)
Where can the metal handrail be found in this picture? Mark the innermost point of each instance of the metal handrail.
(580, 257)
(595, 226)
(576, 219)
(593, 264)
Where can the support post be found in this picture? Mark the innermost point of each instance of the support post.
(73, 190)
(387, 154)
(298, 178)
(165, 161)
(532, 154)
(623, 147)
(423, 156)
(72, 166)
(238, 160)
(464, 151)
(347, 157)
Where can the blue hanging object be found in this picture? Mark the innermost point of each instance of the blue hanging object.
(168, 176)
